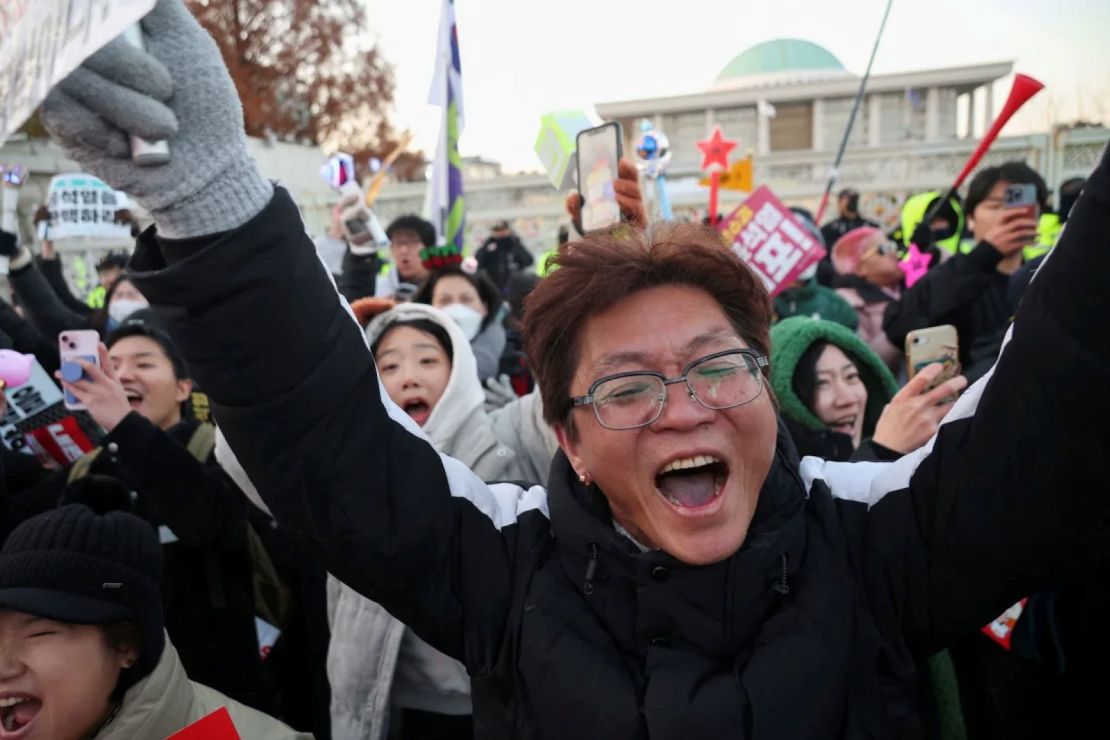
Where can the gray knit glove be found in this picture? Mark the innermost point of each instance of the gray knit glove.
(177, 89)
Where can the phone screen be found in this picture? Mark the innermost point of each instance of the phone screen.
(1021, 196)
(357, 226)
(598, 157)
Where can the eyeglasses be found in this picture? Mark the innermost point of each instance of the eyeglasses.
(883, 249)
(722, 380)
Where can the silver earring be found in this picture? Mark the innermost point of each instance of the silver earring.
(584, 479)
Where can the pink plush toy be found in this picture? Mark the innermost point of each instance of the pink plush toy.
(15, 369)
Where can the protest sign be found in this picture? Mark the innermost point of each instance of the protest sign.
(556, 146)
(764, 233)
(42, 41)
(738, 176)
(216, 726)
(39, 424)
(83, 206)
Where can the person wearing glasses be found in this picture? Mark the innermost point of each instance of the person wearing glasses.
(869, 278)
(681, 574)
(408, 236)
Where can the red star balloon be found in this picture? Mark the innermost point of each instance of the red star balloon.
(715, 151)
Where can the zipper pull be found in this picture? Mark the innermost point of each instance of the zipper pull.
(591, 568)
(781, 586)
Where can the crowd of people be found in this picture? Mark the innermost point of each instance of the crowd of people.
(620, 493)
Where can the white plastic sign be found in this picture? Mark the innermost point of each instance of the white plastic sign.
(42, 41)
(84, 206)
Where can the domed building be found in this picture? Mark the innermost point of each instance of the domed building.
(788, 100)
(780, 61)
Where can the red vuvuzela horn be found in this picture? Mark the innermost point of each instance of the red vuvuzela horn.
(1024, 87)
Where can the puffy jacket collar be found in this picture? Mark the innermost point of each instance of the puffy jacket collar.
(158, 706)
(651, 598)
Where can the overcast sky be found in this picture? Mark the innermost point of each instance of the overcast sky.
(522, 58)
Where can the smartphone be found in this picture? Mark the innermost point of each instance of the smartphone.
(928, 346)
(72, 346)
(599, 152)
(1022, 196)
(358, 228)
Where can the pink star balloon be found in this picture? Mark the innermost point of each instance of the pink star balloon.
(915, 265)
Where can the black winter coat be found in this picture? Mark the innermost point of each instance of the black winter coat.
(849, 571)
(360, 275)
(501, 257)
(43, 306)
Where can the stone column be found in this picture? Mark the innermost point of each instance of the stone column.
(819, 142)
(932, 114)
(874, 118)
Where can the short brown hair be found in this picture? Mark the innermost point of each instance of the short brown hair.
(601, 270)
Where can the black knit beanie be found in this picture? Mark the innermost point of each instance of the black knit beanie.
(73, 565)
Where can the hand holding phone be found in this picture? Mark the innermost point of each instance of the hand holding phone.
(914, 414)
(92, 384)
(936, 344)
(72, 347)
(629, 198)
(1017, 228)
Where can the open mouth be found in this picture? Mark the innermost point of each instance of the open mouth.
(17, 712)
(134, 397)
(692, 482)
(845, 424)
(418, 409)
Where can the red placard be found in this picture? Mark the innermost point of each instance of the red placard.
(216, 726)
(775, 245)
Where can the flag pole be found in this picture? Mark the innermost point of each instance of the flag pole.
(834, 172)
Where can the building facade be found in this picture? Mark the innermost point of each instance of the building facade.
(787, 101)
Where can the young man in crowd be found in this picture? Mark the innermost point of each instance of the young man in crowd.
(969, 290)
(138, 395)
(408, 236)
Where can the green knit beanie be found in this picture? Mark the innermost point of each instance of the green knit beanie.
(790, 338)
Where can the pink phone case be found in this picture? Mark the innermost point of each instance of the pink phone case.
(78, 345)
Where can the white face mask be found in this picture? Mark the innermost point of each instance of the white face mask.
(124, 307)
(469, 320)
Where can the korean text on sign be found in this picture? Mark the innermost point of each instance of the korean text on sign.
(764, 233)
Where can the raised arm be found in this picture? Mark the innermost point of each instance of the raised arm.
(51, 269)
(43, 306)
(1010, 494)
(230, 269)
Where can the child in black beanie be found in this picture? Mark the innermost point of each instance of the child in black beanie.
(83, 651)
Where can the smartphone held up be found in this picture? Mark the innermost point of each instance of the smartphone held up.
(936, 344)
(599, 154)
(74, 346)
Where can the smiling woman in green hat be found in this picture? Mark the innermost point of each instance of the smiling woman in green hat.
(840, 401)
